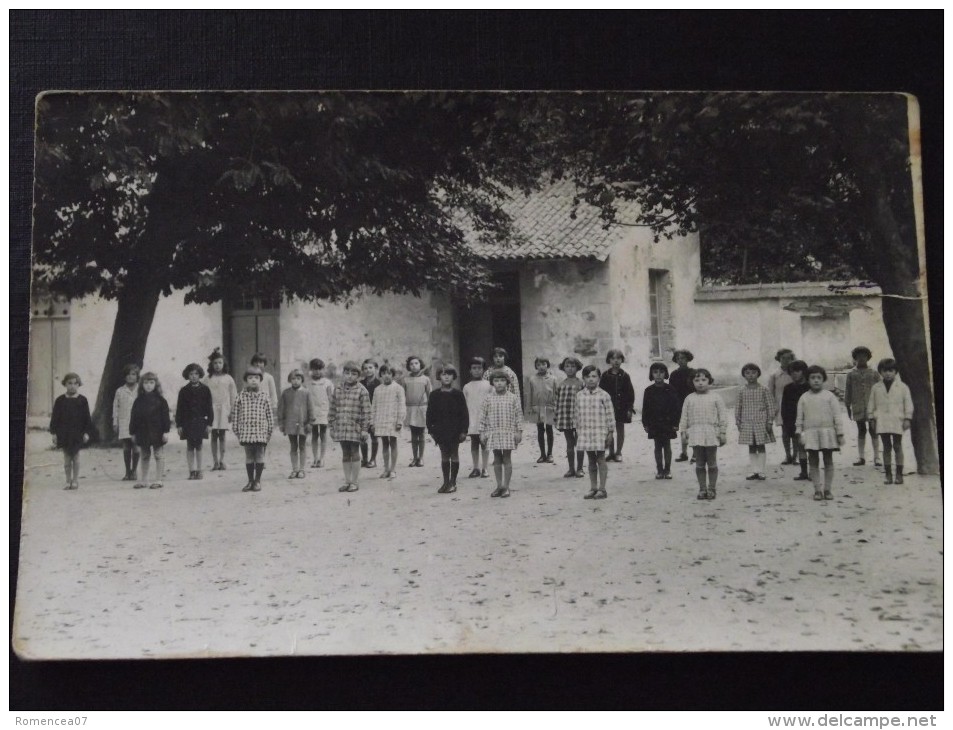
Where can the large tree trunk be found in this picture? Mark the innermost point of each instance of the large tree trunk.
(137, 308)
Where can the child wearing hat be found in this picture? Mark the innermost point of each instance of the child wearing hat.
(194, 416)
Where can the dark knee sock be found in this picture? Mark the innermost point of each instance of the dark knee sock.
(712, 476)
(373, 449)
(700, 476)
(259, 468)
(540, 435)
(667, 454)
(549, 441)
(250, 468)
(363, 451)
(658, 457)
(445, 468)
(580, 457)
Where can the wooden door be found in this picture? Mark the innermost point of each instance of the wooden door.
(252, 326)
(49, 353)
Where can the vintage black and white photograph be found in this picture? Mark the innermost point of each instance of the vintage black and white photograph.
(350, 373)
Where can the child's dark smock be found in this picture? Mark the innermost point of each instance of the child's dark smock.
(681, 379)
(193, 411)
(70, 420)
(150, 419)
(620, 390)
(789, 397)
(447, 416)
(661, 411)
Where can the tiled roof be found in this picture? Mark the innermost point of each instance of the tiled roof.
(546, 230)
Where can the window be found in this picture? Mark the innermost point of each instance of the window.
(660, 312)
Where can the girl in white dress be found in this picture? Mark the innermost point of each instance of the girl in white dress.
(224, 394)
(819, 429)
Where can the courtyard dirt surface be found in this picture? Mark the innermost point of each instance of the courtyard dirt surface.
(200, 569)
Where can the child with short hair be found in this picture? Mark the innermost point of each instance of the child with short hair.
(705, 422)
(500, 357)
(541, 406)
(253, 420)
(660, 415)
(776, 383)
(789, 400)
(294, 419)
(268, 386)
(320, 389)
(617, 383)
(388, 411)
(475, 392)
(682, 380)
(149, 425)
(349, 419)
(594, 419)
(224, 393)
(417, 389)
(819, 429)
(194, 416)
(565, 404)
(860, 381)
(122, 409)
(890, 409)
(447, 423)
(370, 382)
(754, 416)
(501, 429)
(72, 427)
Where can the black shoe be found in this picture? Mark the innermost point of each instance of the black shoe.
(682, 457)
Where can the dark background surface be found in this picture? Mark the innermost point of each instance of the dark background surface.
(863, 51)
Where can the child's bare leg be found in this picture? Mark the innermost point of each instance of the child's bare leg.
(700, 474)
(861, 439)
(198, 457)
(323, 429)
(68, 466)
(684, 453)
(752, 459)
(619, 437)
(146, 460)
(874, 441)
(76, 468)
(762, 459)
(498, 467)
(160, 463)
(475, 452)
(712, 467)
(214, 444)
(190, 458)
(507, 468)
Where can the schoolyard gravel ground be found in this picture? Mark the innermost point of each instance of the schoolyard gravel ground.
(200, 569)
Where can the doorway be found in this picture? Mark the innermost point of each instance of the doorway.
(251, 324)
(493, 323)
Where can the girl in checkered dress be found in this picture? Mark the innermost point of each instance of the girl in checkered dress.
(253, 420)
(594, 421)
(754, 417)
(388, 411)
(705, 422)
(350, 419)
(565, 402)
(501, 429)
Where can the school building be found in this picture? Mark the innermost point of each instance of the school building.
(568, 286)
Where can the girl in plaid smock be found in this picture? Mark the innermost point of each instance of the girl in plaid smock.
(253, 420)
(705, 422)
(499, 364)
(349, 419)
(820, 430)
(122, 410)
(594, 420)
(754, 416)
(860, 381)
(565, 402)
(501, 429)
(388, 411)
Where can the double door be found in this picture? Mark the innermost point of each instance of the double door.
(252, 326)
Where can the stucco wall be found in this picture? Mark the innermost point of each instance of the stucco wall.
(383, 327)
(180, 334)
(729, 333)
(565, 311)
(629, 266)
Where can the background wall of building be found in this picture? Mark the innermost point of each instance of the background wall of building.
(566, 310)
(387, 327)
(181, 333)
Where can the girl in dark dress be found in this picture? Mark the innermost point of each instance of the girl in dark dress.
(71, 426)
(661, 411)
(447, 422)
(682, 380)
(617, 383)
(149, 425)
(194, 416)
